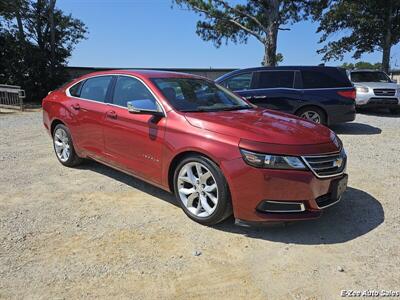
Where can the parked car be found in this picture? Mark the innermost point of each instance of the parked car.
(375, 89)
(319, 94)
(214, 150)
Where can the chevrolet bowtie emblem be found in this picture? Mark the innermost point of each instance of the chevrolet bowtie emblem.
(338, 162)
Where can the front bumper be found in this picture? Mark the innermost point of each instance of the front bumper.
(250, 187)
(370, 100)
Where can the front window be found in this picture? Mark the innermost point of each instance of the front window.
(198, 95)
(369, 77)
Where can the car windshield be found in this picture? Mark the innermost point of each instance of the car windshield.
(369, 77)
(198, 95)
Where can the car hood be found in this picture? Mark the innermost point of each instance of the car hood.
(265, 126)
(378, 85)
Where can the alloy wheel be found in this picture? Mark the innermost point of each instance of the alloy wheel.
(311, 116)
(62, 144)
(197, 189)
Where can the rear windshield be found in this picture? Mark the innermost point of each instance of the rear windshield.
(369, 77)
(325, 78)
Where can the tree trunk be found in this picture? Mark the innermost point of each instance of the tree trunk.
(272, 34)
(387, 38)
(52, 37)
(21, 33)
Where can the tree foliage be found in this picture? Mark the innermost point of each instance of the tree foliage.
(370, 25)
(36, 40)
(362, 65)
(261, 19)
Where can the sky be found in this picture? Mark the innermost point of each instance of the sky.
(157, 34)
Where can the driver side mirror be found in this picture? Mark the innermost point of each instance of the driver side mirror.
(144, 106)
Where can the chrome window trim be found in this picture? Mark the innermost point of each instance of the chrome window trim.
(302, 207)
(112, 104)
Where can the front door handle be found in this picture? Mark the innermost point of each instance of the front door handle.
(259, 97)
(111, 114)
(76, 106)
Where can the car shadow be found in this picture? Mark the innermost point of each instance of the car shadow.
(355, 215)
(355, 128)
(128, 180)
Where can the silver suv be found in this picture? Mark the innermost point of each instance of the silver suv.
(376, 90)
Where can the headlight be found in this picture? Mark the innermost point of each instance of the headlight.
(362, 89)
(268, 161)
(398, 92)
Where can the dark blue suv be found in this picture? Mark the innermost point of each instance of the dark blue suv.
(321, 94)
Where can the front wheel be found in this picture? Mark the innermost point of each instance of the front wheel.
(63, 146)
(202, 191)
(313, 114)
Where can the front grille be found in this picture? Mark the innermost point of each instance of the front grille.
(384, 92)
(383, 101)
(328, 165)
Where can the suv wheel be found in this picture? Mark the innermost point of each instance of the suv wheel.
(63, 146)
(202, 191)
(313, 114)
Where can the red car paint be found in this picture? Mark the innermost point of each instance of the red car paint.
(148, 148)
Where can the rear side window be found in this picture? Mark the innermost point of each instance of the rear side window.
(96, 88)
(75, 89)
(276, 79)
(239, 82)
(130, 89)
(329, 78)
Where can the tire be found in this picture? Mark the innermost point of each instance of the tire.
(395, 111)
(63, 147)
(313, 113)
(205, 199)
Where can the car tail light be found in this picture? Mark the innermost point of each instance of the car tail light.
(348, 94)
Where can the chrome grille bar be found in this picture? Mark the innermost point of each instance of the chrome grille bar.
(329, 165)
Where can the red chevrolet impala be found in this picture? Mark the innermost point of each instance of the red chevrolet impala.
(185, 134)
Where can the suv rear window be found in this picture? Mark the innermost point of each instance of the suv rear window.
(275, 79)
(326, 78)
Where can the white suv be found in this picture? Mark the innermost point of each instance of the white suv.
(376, 90)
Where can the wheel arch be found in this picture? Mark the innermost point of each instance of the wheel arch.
(54, 123)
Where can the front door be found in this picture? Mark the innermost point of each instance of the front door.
(134, 142)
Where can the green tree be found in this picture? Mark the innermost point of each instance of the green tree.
(261, 19)
(36, 40)
(362, 65)
(372, 25)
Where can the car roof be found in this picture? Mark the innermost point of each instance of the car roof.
(281, 68)
(143, 74)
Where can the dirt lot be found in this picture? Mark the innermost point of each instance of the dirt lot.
(95, 232)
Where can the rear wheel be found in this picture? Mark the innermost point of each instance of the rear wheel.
(63, 146)
(202, 191)
(313, 114)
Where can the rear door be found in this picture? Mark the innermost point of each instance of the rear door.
(89, 105)
(134, 142)
(276, 89)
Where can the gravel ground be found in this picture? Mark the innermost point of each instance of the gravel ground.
(94, 232)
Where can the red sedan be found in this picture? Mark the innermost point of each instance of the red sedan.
(185, 134)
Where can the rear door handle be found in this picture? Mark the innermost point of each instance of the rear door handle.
(111, 114)
(76, 106)
(259, 97)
